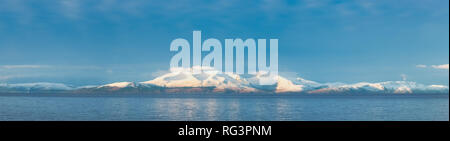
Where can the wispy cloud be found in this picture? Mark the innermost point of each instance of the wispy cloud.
(24, 66)
(6, 77)
(8, 72)
(25, 71)
(71, 8)
(444, 66)
(421, 66)
(14, 76)
(404, 77)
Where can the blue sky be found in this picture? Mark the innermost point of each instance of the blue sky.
(86, 42)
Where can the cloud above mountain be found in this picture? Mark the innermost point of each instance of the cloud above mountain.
(421, 66)
(442, 67)
(23, 66)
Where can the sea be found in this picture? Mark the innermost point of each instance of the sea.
(224, 107)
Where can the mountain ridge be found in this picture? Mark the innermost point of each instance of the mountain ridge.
(185, 81)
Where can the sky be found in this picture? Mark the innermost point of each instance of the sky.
(86, 42)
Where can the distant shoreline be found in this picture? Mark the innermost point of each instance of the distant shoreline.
(229, 95)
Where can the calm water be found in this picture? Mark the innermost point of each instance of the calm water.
(224, 107)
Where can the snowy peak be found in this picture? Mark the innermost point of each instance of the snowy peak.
(285, 85)
(176, 79)
(119, 85)
(222, 82)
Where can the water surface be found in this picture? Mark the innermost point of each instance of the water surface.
(224, 107)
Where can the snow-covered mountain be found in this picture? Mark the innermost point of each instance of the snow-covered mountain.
(184, 81)
(222, 82)
(398, 87)
(210, 81)
(40, 85)
(34, 87)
